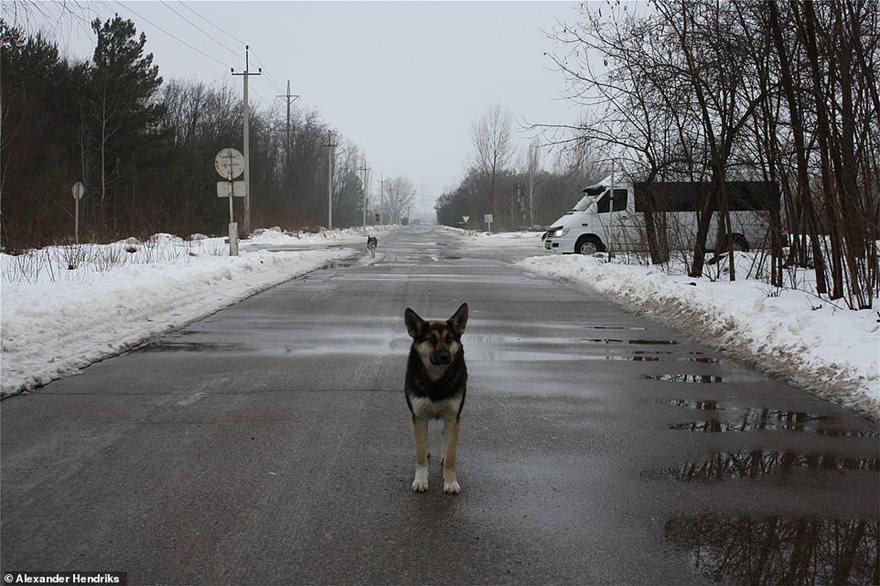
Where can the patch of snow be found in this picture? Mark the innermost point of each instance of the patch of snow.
(56, 320)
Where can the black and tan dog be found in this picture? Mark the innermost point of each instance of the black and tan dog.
(436, 381)
(372, 245)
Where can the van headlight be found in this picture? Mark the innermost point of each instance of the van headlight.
(559, 232)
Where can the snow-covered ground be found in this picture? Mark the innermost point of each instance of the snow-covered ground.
(55, 320)
(818, 345)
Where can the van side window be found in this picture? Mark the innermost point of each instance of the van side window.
(620, 201)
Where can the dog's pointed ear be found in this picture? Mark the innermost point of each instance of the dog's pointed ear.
(414, 324)
(459, 319)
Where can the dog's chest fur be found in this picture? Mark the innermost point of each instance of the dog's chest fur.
(434, 391)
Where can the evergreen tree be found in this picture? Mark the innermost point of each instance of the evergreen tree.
(124, 114)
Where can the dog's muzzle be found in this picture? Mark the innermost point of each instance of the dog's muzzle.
(441, 358)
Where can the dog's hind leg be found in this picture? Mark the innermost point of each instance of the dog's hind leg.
(450, 445)
(420, 435)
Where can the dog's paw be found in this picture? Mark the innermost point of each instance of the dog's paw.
(451, 487)
(420, 482)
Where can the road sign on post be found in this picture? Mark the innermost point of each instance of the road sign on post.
(487, 218)
(229, 164)
(78, 191)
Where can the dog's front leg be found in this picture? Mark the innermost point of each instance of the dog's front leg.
(450, 445)
(420, 435)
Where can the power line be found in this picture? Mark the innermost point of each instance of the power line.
(212, 58)
(196, 49)
(198, 28)
(236, 39)
(269, 76)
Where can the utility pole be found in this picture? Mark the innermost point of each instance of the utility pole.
(246, 224)
(288, 97)
(382, 200)
(330, 146)
(364, 170)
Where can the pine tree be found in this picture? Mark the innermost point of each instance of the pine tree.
(124, 114)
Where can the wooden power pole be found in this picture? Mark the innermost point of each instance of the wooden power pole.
(290, 99)
(330, 146)
(364, 169)
(246, 222)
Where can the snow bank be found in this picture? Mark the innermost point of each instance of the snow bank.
(63, 308)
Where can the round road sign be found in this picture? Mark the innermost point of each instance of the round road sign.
(229, 163)
(78, 190)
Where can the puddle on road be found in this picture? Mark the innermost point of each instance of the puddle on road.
(685, 378)
(636, 328)
(758, 463)
(701, 405)
(735, 419)
(337, 264)
(778, 550)
(754, 420)
(168, 346)
(657, 356)
(619, 341)
(745, 425)
(516, 347)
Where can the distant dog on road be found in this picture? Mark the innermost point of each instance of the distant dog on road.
(436, 381)
(372, 244)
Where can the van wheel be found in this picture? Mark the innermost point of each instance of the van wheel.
(588, 245)
(740, 244)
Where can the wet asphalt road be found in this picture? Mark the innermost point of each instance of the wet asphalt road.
(270, 443)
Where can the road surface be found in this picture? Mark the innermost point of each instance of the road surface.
(270, 443)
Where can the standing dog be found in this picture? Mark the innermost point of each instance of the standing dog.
(436, 381)
(372, 244)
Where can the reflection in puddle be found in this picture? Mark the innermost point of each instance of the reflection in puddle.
(757, 463)
(726, 426)
(617, 341)
(684, 378)
(701, 405)
(753, 419)
(337, 264)
(640, 355)
(773, 550)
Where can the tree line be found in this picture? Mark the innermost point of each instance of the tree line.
(514, 187)
(701, 90)
(717, 91)
(144, 149)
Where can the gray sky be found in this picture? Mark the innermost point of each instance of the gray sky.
(402, 80)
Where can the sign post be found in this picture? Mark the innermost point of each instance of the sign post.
(229, 164)
(488, 219)
(78, 191)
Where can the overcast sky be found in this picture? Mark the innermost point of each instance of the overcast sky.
(401, 80)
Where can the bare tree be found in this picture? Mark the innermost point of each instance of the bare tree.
(533, 170)
(493, 149)
(399, 194)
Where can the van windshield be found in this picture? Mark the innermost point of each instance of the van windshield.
(584, 204)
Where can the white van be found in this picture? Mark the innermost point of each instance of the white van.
(599, 221)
